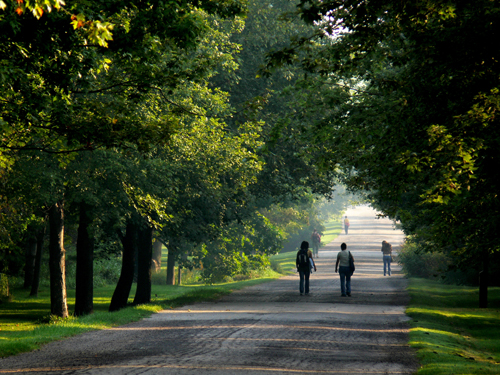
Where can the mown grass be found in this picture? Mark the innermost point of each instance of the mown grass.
(451, 334)
(332, 230)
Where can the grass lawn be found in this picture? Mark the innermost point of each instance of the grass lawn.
(332, 230)
(451, 334)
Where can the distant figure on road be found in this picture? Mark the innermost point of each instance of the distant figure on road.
(344, 270)
(303, 267)
(346, 225)
(387, 256)
(316, 241)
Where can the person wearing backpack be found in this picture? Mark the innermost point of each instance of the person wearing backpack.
(303, 267)
(343, 258)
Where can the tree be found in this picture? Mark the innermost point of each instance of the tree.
(73, 90)
(57, 264)
(288, 161)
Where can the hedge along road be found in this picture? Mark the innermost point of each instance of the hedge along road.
(265, 329)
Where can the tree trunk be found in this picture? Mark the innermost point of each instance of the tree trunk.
(171, 266)
(157, 246)
(179, 275)
(38, 262)
(122, 290)
(29, 264)
(84, 292)
(57, 261)
(144, 257)
(483, 282)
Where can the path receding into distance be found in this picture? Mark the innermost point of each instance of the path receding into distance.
(265, 329)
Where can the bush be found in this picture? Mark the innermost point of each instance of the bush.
(4, 288)
(418, 263)
(107, 272)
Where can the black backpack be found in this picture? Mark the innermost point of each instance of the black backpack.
(303, 259)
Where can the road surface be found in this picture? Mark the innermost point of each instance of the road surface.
(265, 329)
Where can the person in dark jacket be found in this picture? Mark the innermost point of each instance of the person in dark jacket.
(303, 267)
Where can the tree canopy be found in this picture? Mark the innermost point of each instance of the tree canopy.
(403, 97)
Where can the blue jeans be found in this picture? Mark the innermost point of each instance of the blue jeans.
(315, 248)
(304, 277)
(345, 280)
(387, 264)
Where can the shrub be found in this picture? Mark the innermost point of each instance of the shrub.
(419, 263)
(107, 272)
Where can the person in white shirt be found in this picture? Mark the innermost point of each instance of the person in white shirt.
(344, 270)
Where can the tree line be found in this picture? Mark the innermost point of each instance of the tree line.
(191, 122)
(127, 122)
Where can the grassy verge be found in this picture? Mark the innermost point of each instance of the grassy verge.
(332, 230)
(451, 334)
(284, 263)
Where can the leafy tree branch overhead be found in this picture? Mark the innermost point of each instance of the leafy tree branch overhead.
(81, 76)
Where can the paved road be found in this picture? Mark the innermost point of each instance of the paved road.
(266, 329)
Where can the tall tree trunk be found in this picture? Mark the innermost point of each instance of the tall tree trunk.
(171, 266)
(157, 246)
(38, 261)
(179, 275)
(84, 292)
(57, 261)
(29, 264)
(145, 255)
(122, 290)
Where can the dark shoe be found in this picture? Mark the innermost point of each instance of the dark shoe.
(348, 294)
(343, 295)
(301, 294)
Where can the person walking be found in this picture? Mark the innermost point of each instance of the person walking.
(344, 270)
(346, 225)
(303, 267)
(316, 241)
(387, 256)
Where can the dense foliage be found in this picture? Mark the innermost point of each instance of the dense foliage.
(123, 121)
(404, 98)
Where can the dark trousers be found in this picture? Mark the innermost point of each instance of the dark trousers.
(345, 280)
(304, 279)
